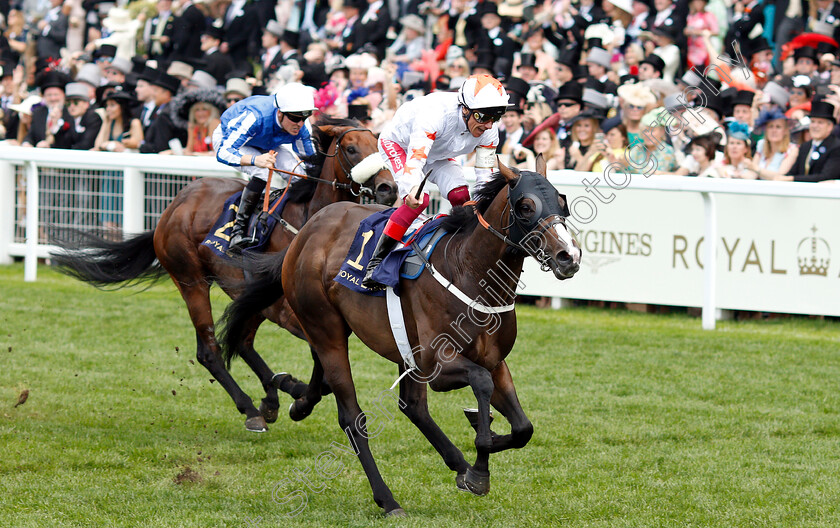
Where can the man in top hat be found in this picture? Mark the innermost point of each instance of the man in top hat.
(527, 68)
(569, 101)
(187, 30)
(819, 158)
(145, 91)
(513, 132)
(86, 122)
(162, 129)
(806, 60)
(11, 119)
(157, 33)
(272, 58)
(375, 22)
(742, 105)
(598, 63)
(51, 123)
(216, 62)
(52, 32)
(241, 23)
(652, 67)
(117, 69)
(352, 38)
(495, 40)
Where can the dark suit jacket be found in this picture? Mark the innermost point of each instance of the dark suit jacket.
(376, 29)
(38, 129)
(161, 130)
(242, 34)
(186, 34)
(826, 166)
(218, 65)
(352, 39)
(502, 47)
(50, 45)
(168, 30)
(84, 134)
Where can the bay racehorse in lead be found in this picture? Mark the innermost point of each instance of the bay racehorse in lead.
(175, 248)
(457, 339)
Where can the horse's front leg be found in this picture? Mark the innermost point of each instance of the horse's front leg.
(455, 374)
(504, 399)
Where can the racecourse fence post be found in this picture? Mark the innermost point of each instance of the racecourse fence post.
(7, 210)
(30, 261)
(710, 269)
(133, 201)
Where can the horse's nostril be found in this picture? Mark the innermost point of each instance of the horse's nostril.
(563, 257)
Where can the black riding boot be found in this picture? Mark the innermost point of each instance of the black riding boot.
(383, 247)
(247, 204)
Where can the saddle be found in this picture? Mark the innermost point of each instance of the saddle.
(261, 224)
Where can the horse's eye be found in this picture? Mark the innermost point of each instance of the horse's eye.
(351, 149)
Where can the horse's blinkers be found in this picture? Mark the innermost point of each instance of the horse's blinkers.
(546, 205)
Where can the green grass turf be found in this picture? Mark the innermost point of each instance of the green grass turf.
(640, 421)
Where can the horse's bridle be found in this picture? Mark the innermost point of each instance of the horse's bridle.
(345, 166)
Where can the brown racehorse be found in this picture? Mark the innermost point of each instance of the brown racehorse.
(176, 243)
(456, 342)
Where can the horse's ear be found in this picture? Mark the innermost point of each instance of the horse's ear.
(329, 130)
(505, 171)
(541, 165)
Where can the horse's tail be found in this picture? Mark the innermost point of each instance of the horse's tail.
(103, 263)
(258, 294)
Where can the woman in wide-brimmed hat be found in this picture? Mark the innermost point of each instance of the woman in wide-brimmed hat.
(198, 111)
(583, 128)
(775, 154)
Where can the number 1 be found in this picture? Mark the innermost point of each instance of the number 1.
(365, 238)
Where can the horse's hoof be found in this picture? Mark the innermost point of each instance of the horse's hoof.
(459, 482)
(477, 482)
(270, 415)
(256, 424)
(399, 512)
(295, 414)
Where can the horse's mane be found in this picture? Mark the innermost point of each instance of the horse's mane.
(303, 190)
(463, 220)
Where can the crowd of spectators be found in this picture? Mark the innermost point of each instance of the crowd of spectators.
(720, 88)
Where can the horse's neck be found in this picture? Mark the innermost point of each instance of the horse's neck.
(326, 194)
(483, 260)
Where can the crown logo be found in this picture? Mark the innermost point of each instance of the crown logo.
(814, 255)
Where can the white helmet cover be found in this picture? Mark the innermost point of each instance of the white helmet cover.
(295, 97)
(483, 91)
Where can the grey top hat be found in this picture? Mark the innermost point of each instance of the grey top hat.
(599, 56)
(673, 102)
(77, 90)
(239, 86)
(691, 78)
(180, 69)
(120, 64)
(202, 79)
(777, 94)
(89, 74)
(595, 98)
(274, 28)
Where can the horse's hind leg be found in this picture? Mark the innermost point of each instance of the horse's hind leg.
(197, 297)
(302, 406)
(270, 404)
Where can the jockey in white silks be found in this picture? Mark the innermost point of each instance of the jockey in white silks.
(421, 141)
(249, 138)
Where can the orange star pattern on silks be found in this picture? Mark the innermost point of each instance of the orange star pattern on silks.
(484, 80)
(408, 170)
(418, 154)
(431, 135)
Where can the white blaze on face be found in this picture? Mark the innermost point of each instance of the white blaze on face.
(566, 238)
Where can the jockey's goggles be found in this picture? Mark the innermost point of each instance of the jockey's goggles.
(297, 117)
(486, 115)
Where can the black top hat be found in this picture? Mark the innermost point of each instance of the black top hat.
(358, 111)
(122, 95)
(361, 5)
(51, 79)
(743, 97)
(528, 60)
(515, 103)
(759, 44)
(292, 38)
(822, 109)
(518, 86)
(487, 7)
(594, 42)
(569, 57)
(148, 74)
(665, 31)
(101, 92)
(589, 113)
(570, 90)
(217, 33)
(484, 59)
(314, 75)
(655, 61)
(716, 103)
(805, 52)
(825, 47)
(167, 82)
(138, 64)
(105, 51)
